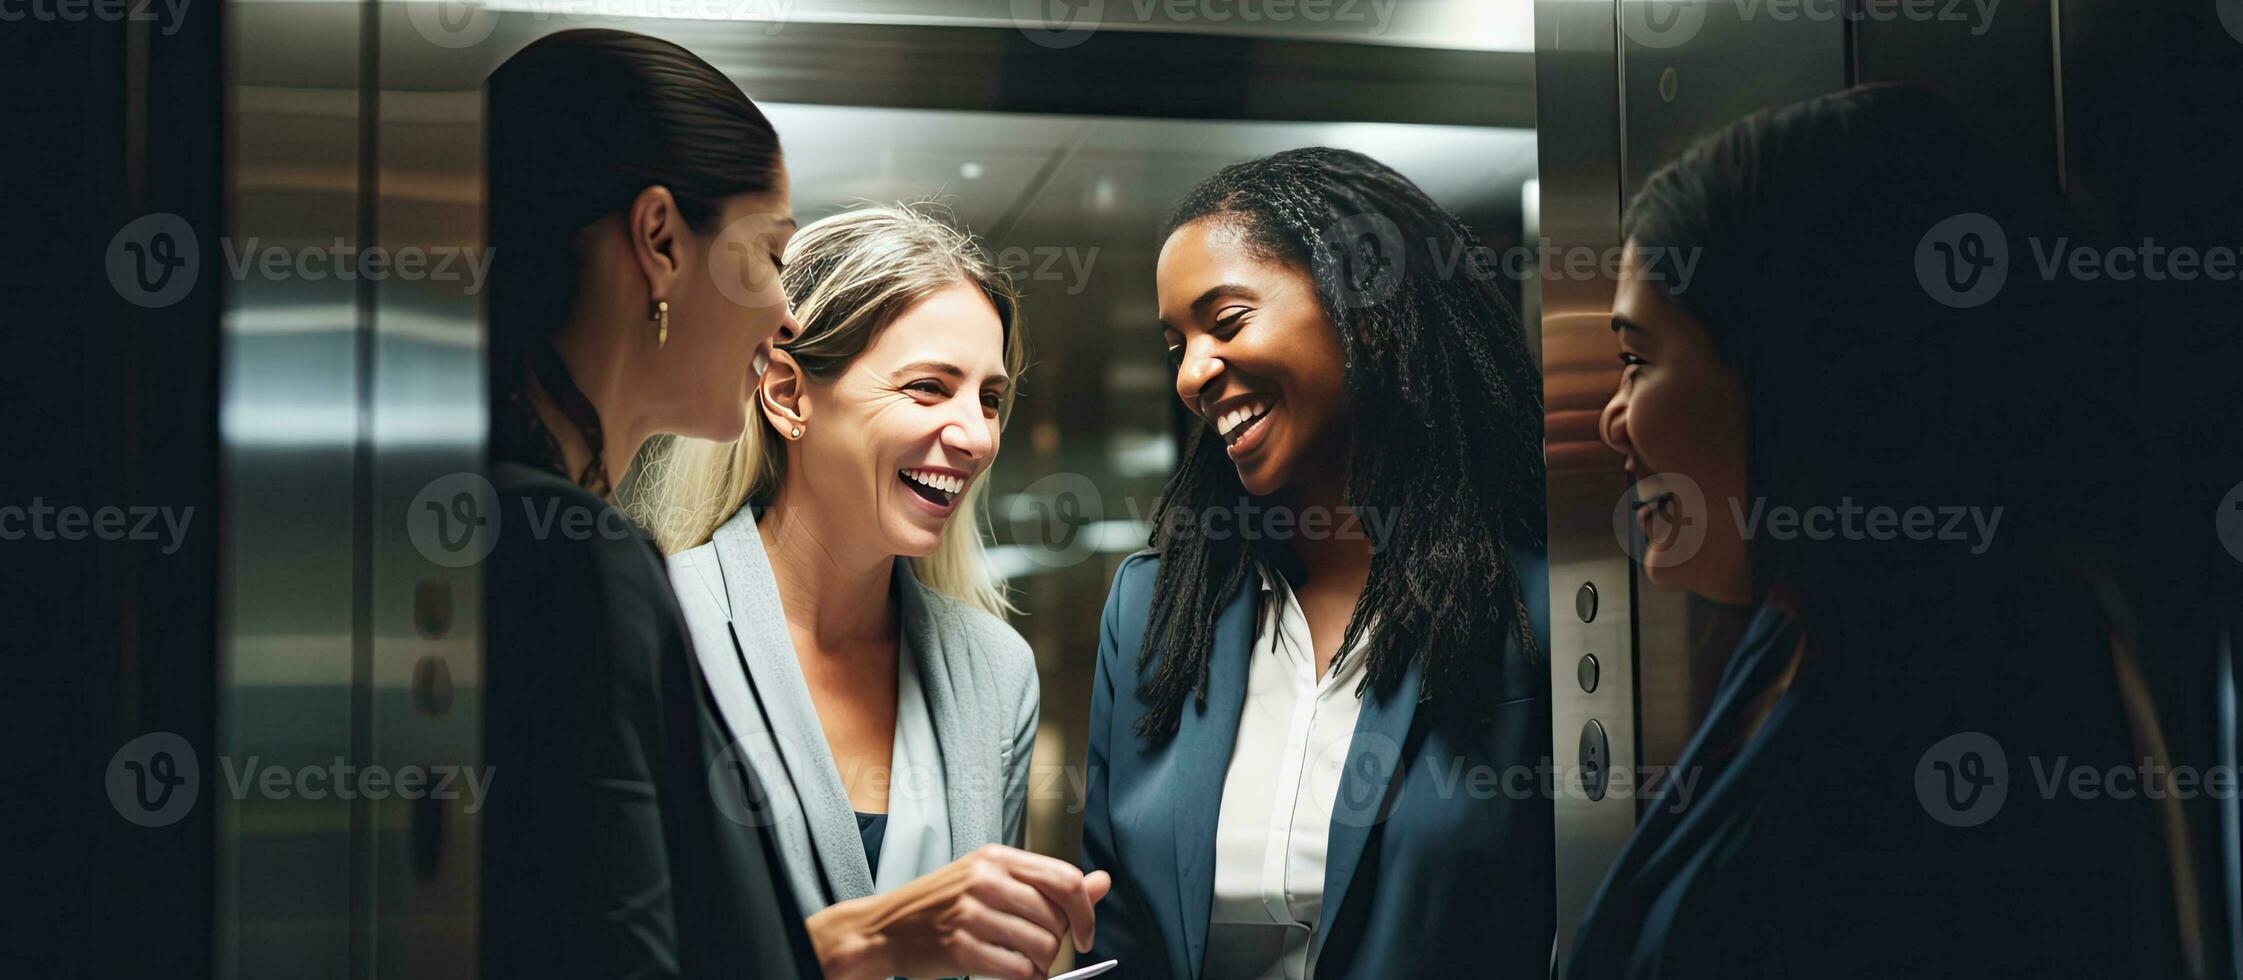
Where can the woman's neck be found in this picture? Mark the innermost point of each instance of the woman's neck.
(1338, 548)
(598, 374)
(839, 596)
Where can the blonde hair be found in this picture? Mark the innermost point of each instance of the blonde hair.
(847, 277)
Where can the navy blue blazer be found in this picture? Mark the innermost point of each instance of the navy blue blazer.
(1440, 851)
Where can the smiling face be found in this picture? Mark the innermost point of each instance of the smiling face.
(1256, 358)
(892, 443)
(1679, 412)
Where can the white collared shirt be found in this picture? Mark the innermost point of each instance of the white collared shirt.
(1276, 816)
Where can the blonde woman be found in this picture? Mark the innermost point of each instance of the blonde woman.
(830, 568)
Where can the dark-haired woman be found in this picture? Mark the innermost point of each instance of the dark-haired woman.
(1319, 715)
(638, 202)
(1880, 776)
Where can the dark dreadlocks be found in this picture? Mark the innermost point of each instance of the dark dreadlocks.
(1447, 416)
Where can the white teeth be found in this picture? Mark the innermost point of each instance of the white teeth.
(1230, 420)
(940, 481)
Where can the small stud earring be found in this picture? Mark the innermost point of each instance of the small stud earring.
(797, 433)
(662, 319)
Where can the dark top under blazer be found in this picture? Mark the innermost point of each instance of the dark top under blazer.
(1439, 861)
(606, 848)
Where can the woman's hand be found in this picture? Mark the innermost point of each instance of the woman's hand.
(998, 912)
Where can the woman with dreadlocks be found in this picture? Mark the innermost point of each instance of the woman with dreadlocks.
(1319, 710)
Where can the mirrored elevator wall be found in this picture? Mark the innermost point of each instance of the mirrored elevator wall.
(350, 402)
(1622, 87)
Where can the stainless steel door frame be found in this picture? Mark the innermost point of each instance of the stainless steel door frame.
(1577, 101)
(351, 392)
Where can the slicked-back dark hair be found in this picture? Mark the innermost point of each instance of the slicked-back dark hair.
(581, 121)
(1447, 413)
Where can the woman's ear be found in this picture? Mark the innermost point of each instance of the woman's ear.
(656, 231)
(786, 394)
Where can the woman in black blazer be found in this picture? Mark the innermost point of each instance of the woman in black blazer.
(614, 842)
(1939, 630)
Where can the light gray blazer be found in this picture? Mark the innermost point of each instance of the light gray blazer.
(975, 674)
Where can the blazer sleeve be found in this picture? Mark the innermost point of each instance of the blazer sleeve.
(1020, 759)
(1125, 928)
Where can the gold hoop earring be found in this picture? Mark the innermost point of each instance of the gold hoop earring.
(662, 319)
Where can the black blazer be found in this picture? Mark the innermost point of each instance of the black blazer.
(619, 836)
(1439, 862)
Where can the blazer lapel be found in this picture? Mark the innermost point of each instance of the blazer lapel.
(759, 626)
(1382, 733)
(1203, 741)
(969, 763)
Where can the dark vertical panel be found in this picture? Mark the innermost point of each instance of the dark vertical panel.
(109, 405)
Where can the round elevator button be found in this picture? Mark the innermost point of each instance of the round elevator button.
(1587, 672)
